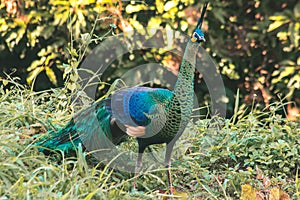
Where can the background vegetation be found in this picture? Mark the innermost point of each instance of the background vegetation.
(254, 43)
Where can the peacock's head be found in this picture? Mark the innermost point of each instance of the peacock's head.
(198, 35)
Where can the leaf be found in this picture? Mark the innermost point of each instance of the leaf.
(51, 75)
(154, 22)
(169, 5)
(74, 77)
(47, 32)
(33, 74)
(232, 156)
(138, 26)
(74, 53)
(86, 37)
(276, 24)
(282, 35)
(294, 33)
(277, 18)
(68, 69)
(297, 10)
(259, 173)
(21, 33)
(176, 194)
(135, 8)
(248, 192)
(274, 194)
(71, 86)
(4, 82)
(266, 182)
(113, 26)
(219, 14)
(283, 195)
(159, 6)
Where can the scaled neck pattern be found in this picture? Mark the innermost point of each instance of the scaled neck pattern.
(184, 87)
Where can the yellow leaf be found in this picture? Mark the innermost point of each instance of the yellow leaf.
(170, 4)
(138, 26)
(284, 195)
(33, 74)
(135, 8)
(51, 75)
(276, 24)
(74, 53)
(282, 35)
(277, 18)
(74, 77)
(106, 2)
(176, 194)
(159, 6)
(154, 22)
(296, 36)
(286, 72)
(274, 194)
(71, 86)
(184, 25)
(248, 192)
(4, 82)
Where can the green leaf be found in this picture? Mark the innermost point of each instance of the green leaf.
(294, 33)
(297, 10)
(232, 156)
(74, 53)
(71, 86)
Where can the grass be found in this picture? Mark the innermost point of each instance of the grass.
(259, 146)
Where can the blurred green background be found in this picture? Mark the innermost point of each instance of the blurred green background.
(255, 43)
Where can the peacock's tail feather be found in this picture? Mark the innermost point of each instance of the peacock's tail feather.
(92, 127)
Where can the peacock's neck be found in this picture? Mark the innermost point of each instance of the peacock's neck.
(184, 87)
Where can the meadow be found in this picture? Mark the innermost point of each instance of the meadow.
(253, 152)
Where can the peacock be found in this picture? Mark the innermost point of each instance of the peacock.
(152, 115)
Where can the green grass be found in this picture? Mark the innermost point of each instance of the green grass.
(215, 164)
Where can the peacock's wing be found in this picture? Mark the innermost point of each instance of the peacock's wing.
(139, 106)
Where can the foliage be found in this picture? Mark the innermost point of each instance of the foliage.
(255, 44)
(37, 34)
(253, 52)
(216, 164)
(266, 189)
(263, 139)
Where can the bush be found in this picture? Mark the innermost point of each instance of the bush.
(255, 44)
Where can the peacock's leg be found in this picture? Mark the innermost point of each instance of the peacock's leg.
(138, 166)
(168, 165)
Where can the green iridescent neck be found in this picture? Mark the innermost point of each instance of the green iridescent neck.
(184, 87)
